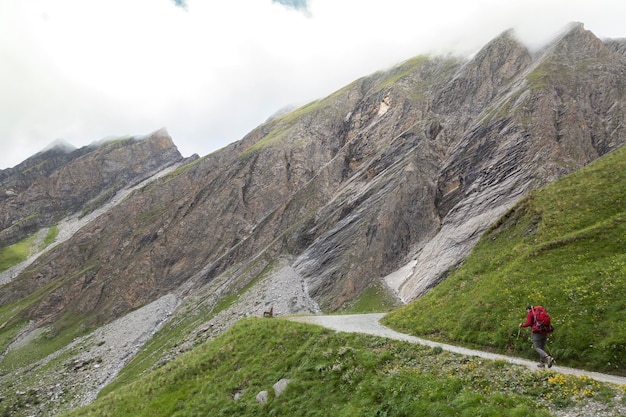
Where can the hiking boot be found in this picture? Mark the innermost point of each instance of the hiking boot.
(540, 365)
(549, 361)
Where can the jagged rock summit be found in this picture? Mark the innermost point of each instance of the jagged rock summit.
(389, 181)
(62, 180)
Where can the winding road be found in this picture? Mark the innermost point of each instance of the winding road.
(370, 324)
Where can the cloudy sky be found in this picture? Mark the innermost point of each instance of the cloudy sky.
(210, 71)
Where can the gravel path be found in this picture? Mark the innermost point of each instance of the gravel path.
(370, 324)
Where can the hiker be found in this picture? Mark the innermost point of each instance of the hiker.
(539, 335)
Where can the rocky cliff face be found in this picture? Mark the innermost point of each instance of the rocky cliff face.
(557, 113)
(391, 179)
(59, 182)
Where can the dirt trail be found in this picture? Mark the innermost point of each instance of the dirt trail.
(370, 324)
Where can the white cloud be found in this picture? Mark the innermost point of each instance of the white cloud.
(213, 70)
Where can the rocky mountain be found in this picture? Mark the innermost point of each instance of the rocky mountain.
(61, 181)
(388, 182)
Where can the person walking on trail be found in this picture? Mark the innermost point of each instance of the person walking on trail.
(540, 332)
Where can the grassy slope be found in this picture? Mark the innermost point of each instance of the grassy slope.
(19, 252)
(563, 247)
(336, 374)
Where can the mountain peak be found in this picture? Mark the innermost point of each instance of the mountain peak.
(162, 132)
(60, 145)
(501, 49)
(576, 43)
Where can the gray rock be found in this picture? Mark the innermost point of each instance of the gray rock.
(262, 397)
(280, 386)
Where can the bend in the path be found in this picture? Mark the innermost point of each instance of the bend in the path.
(370, 324)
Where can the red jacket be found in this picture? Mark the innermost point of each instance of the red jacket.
(530, 319)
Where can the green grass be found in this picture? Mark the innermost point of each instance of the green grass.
(53, 338)
(562, 247)
(169, 336)
(49, 341)
(337, 374)
(14, 254)
(401, 71)
(283, 125)
(14, 318)
(375, 298)
(538, 78)
(19, 252)
(151, 354)
(51, 236)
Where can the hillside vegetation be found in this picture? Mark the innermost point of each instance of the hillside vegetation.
(338, 374)
(12, 255)
(563, 247)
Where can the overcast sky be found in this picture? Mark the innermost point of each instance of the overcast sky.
(210, 71)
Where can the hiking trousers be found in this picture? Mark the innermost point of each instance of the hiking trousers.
(539, 343)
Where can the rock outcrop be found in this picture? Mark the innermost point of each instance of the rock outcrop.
(559, 113)
(59, 181)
